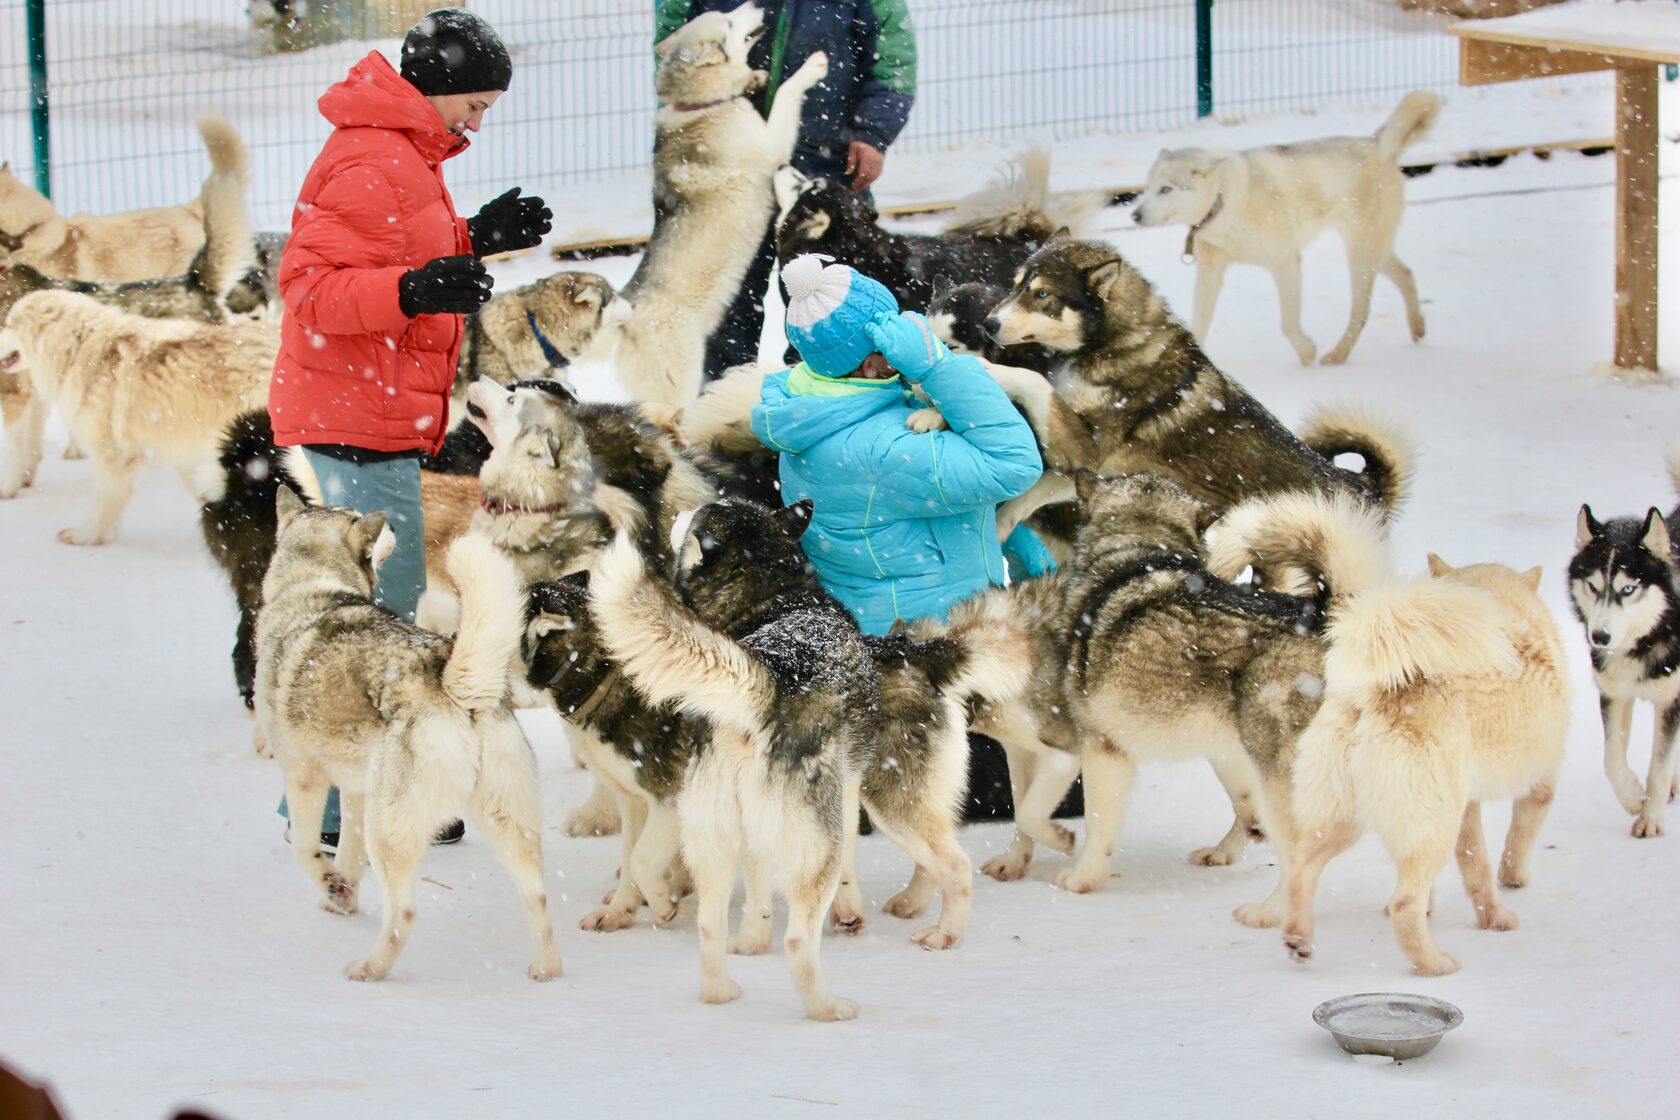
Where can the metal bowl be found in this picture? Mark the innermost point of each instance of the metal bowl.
(1393, 1024)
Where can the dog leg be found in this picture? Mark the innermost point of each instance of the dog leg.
(757, 916)
(1108, 779)
(1408, 910)
(1275, 810)
(917, 893)
(1660, 780)
(397, 838)
(112, 484)
(23, 447)
(939, 860)
(1287, 275)
(1050, 488)
(597, 816)
(1477, 873)
(351, 860)
(1240, 789)
(1528, 813)
(1211, 264)
(1362, 270)
(505, 803)
(1012, 864)
(621, 906)
(1051, 777)
(1396, 271)
(306, 800)
(810, 893)
(1617, 713)
(781, 127)
(847, 914)
(650, 862)
(712, 857)
(1319, 845)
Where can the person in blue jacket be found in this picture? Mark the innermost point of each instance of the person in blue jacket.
(846, 126)
(905, 522)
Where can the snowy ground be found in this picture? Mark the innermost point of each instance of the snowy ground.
(159, 948)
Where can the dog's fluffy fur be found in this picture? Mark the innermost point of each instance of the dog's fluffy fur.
(1438, 695)
(958, 315)
(993, 231)
(411, 727)
(791, 693)
(1136, 393)
(1625, 591)
(135, 245)
(571, 309)
(133, 390)
(713, 161)
(1265, 205)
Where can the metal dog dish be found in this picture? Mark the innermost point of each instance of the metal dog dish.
(1393, 1024)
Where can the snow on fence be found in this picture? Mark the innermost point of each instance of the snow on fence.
(126, 80)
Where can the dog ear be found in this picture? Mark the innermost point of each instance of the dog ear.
(1655, 534)
(1438, 567)
(1206, 515)
(1103, 275)
(663, 47)
(797, 517)
(1532, 576)
(551, 444)
(287, 505)
(578, 579)
(1085, 483)
(1061, 232)
(1586, 527)
(367, 537)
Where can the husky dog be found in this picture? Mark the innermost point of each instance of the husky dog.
(1264, 205)
(958, 314)
(993, 232)
(1438, 695)
(1623, 584)
(411, 727)
(1136, 393)
(136, 245)
(133, 390)
(713, 159)
(779, 669)
(536, 330)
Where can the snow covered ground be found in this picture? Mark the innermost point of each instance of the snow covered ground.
(158, 948)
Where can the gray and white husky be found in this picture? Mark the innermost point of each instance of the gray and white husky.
(1626, 592)
(411, 727)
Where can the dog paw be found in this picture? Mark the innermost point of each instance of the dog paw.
(1061, 839)
(1630, 792)
(1006, 868)
(606, 920)
(665, 914)
(814, 70)
(846, 923)
(935, 938)
(1212, 857)
(1336, 357)
(1298, 945)
(902, 905)
(9, 489)
(341, 894)
(1512, 878)
(1442, 964)
(587, 821)
(1499, 918)
(545, 969)
(837, 1010)
(719, 991)
(925, 420)
(81, 535)
(1417, 328)
(1306, 350)
(753, 943)
(1257, 915)
(364, 970)
(259, 742)
(73, 452)
(1646, 827)
(1072, 879)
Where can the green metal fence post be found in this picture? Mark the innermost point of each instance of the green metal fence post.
(36, 16)
(1204, 58)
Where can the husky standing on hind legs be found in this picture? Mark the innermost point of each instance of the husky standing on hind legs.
(1624, 587)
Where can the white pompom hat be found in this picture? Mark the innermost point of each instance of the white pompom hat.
(827, 311)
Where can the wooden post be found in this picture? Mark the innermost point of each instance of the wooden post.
(1636, 217)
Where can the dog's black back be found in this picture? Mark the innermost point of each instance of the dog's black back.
(958, 315)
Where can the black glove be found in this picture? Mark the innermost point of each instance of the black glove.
(454, 285)
(509, 222)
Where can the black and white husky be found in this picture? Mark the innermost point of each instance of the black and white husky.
(1626, 593)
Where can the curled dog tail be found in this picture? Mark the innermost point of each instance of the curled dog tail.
(1333, 430)
(1017, 203)
(984, 653)
(230, 251)
(492, 624)
(1407, 124)
(1399, 634)
(226, 147)
(1330, 546)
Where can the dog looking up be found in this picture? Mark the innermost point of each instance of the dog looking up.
(1265, 205)
(411, 727)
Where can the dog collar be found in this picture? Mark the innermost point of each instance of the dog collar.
(1189, 253)
(696, 106)
(583, 711)
(550, 352)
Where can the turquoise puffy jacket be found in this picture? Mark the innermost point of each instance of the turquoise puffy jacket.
(905, 523)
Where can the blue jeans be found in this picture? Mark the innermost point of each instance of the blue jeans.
(393, 486)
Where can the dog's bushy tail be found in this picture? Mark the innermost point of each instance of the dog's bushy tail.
(230, 251)
(719, 420)
(984, 652)
(1330, 546)
(1407, 124)
(1017, 203)
(1332, 430)
(492, 624)
(226, 147)
(1402, 633)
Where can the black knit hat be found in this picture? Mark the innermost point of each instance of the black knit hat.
(453, 51)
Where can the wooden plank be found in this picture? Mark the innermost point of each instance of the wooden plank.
(1482, 64)
(1636, 218)
(1508, 30)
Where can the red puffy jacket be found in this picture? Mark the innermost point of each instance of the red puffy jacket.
(352, 368)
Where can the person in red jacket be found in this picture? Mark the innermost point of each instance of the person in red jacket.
(379, 271)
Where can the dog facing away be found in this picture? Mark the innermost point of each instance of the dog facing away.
(992, 233)
(1265, 205)
(132, 390)
(411, 727)
(792, 696)
(135, 245)
(1136, 393)
(713, 159)
(1625, 591)
(1439, 694)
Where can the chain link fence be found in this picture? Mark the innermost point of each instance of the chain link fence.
(127, 79)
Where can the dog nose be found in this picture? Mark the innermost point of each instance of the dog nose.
(1137, 216)
(991, 326)
(1600, 638)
